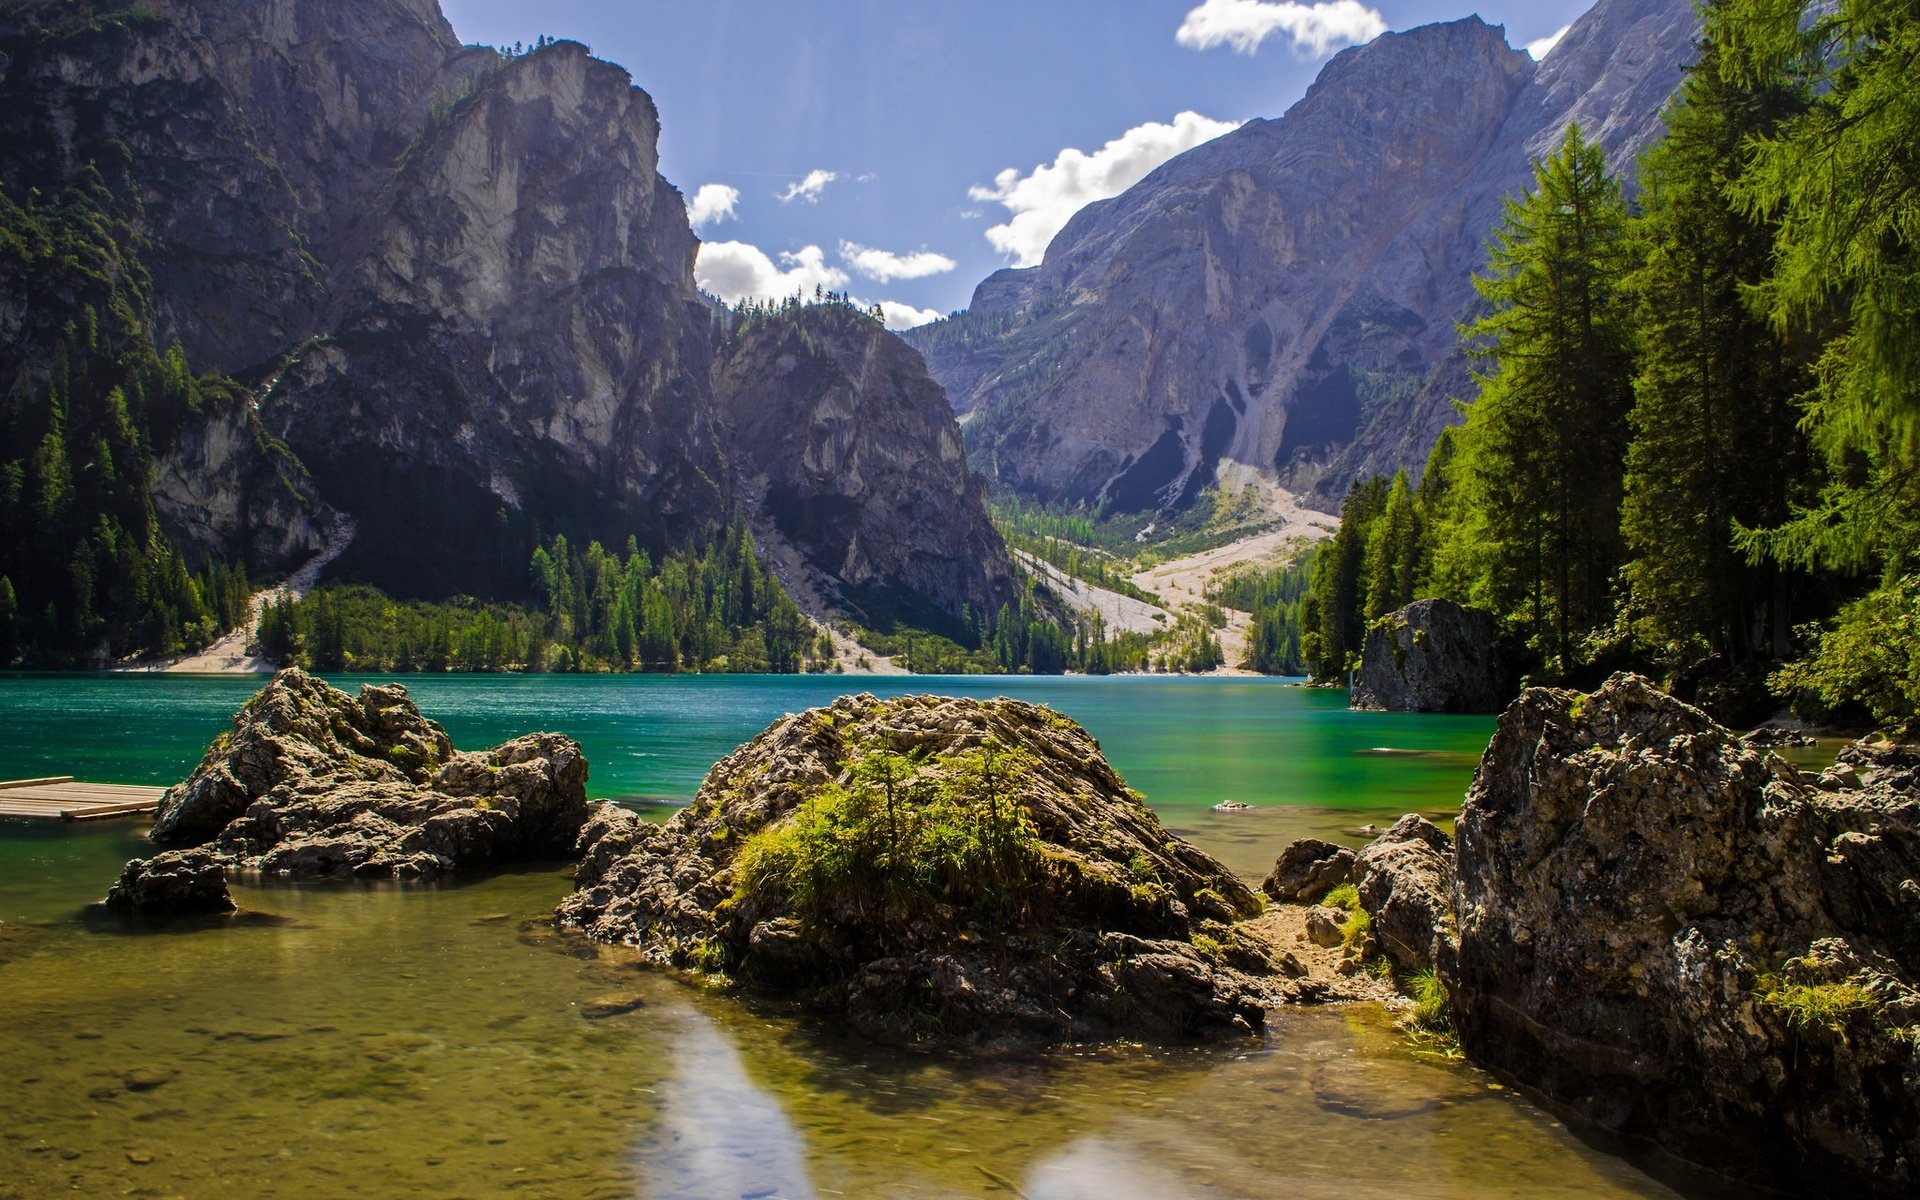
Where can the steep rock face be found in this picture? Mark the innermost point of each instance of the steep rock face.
(1285, 297)
(522, 347)
(1092, 928)
(1671, 932)
(312, 782)
(1434, 656)
(460, 294)
(252, 135)
(852, 456)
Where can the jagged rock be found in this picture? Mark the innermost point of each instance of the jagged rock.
(1772, 736)
(313, 782)
(1667, 930)
(175, 882)
(854, 458)
(1406, 880)
(1101, 923)
(1286, 296)
(1434, 656)
(1307, 869)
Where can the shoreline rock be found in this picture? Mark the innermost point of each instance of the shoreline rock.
(1434, 656)
(174, 883)
(1086, 920)
(313, 783)
(1668, 931)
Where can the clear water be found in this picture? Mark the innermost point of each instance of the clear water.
(422, 1041)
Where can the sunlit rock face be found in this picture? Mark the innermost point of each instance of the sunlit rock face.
(847, 450)
(1286, 297)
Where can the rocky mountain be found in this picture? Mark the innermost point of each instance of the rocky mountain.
(1284, 299)
(846, 447)
(455, 286)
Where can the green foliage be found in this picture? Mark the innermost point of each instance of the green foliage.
(1276, 598)
(1824, 1008)
(902, 837)
(1532, 519)
(1869, 657)
(88, 403)
(1715, 438)
(1346, 896)
(1356, 932)
(1430, 1005)
(709, 609)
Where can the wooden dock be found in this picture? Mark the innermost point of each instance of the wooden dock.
(61, 798)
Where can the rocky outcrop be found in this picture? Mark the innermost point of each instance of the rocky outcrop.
(1307, 870)
(1434, 656)
(1405, 879)
(1669, 931)
(174, 883)
(853, 457)
(934, 868)
(1285, 298)
(312, 782)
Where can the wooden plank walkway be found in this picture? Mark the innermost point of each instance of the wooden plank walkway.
(60, 798)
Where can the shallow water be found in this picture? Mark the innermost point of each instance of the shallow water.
(342, 1040)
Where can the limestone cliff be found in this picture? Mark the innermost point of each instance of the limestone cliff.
(847, 452)
(1285, 297)
(459, 297)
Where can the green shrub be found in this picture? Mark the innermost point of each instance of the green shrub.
(899, 837)
(1430, 1006)
(1827, 1007)
(1345, 896)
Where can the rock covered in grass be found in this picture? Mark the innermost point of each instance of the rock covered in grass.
(934, 869)
(1667, 929)
(175, 882)
(313, 782)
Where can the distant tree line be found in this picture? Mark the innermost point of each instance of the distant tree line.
(714, 608)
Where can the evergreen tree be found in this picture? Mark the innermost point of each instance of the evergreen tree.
(1715, 442)
(1535, 519)
(1842, 182)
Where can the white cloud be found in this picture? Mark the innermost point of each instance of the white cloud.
(808, 189)
(736, 271)
(713, 202)
(1043, 200)
(905, 316)
(1539, 46)
(883, 266)
(1314, 29)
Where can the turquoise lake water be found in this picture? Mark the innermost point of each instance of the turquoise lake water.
(428, 1041)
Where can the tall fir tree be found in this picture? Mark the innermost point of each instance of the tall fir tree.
(1842, 182)
(1534, 518)
(1716, 442)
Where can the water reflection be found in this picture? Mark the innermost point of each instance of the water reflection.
(717, 1135)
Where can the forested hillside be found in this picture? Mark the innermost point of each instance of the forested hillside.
(1695, 446)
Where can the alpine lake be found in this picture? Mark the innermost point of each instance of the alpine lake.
(443, 1041)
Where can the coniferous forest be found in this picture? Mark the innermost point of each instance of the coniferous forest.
(1695, 447)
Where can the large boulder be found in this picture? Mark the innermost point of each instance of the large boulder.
(931, 868)
(1434, 656)
(1666, 929)
(312, 782)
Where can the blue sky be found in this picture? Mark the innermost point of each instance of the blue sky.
(934, 120)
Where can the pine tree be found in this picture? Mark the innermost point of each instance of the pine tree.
(1715, 442)
(1534, 530)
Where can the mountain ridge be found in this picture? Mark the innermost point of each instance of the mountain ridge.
(1234, 314)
